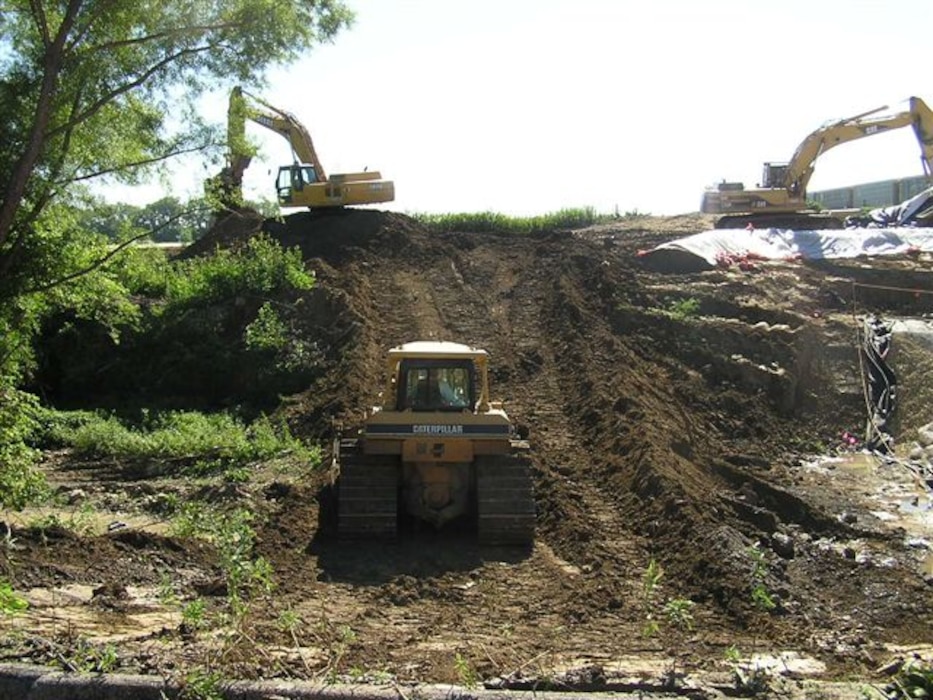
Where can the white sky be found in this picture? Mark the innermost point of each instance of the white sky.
(529, 106)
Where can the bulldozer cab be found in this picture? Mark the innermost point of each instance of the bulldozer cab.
(436, 385)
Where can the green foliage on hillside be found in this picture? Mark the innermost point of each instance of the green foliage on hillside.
(484, 222)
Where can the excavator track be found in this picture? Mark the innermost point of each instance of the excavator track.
(505, 500)
(367, 496)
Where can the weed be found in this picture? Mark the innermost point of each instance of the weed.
(682, 309)
(232, 534)
(206, 443)
(289, 621)
(914, 679)
(346, 635)
(89, 658)
(465, 671)
(761, 597)
(193, 614)
(202, 685)
(678, 612)
(652, 578)
(167, 590)
(11, 603)
(650, 582)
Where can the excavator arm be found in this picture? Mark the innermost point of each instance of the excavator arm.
(801, 165)
(282, 123)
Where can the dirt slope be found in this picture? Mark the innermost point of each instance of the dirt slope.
(668, 416)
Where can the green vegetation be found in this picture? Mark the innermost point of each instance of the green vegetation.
(202, 685)
(91, 98)
(681, 309)
(11, 602)
(20, 483)
(200, 443)
(761, 597)
(232, 534)
(651, 579)
(483, 222)
(914, 679)
(466, 673)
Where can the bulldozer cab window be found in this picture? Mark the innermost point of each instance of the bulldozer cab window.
(436, 387)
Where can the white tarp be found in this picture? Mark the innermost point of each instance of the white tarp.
(724, 245)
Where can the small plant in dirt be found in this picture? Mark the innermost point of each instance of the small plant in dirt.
(761, 597)
(11, 603)
(678, 613)
(87, 657)
(193, 614)
(753, 680)
(651, 579)
(232, 534)
(914, 679)
(202, 685)
(466, 673)
(682, 309)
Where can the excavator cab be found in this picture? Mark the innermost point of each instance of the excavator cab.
(293, 178)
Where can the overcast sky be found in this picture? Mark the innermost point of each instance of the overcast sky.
(529, 106)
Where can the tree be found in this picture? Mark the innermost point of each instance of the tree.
(106, 88)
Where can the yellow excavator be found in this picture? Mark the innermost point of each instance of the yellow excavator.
(304, 183)
(781, 200)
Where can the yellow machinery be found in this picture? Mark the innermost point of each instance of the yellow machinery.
(437, 451)
(304, 183)
(781, 200)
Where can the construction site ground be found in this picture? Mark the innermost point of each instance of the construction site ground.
(682, 424)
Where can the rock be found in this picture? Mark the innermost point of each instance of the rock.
(783, 545)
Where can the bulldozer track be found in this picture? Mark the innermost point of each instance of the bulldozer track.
(367, 501)
(504, 500)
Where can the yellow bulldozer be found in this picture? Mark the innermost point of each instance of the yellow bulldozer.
(437, 453)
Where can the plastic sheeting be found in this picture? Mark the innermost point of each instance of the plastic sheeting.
(704, 251)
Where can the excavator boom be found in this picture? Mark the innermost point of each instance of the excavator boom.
(781, 199)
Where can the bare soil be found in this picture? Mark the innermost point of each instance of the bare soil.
(674, 417)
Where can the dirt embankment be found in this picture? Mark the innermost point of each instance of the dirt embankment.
(668, 415)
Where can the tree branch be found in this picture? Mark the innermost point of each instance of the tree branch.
(130, 166)
(51, 68)
(110, 254)
(183, 31)
(108, 97)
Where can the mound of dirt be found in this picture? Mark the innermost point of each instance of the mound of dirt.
(670, 415)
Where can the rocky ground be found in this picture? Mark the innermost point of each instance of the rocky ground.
(682, 426)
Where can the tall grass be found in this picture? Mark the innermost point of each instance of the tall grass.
(483, 222)
(205, 441)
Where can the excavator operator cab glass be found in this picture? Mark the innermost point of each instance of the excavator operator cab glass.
(293, 178)
(436, 385)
